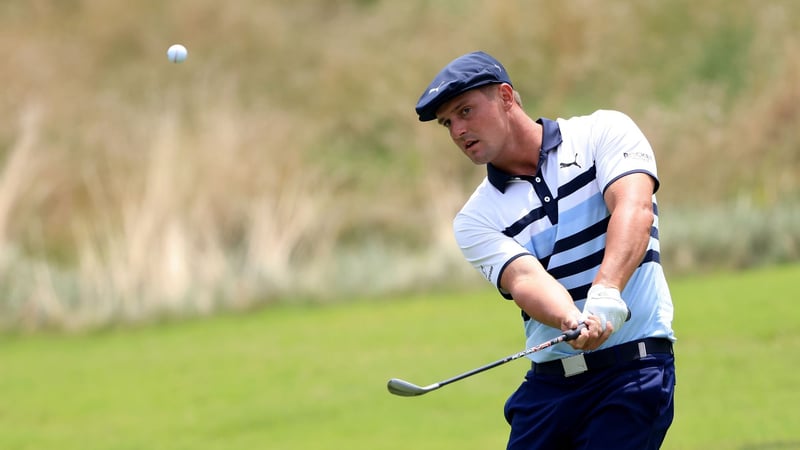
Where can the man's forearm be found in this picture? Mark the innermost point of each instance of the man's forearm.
(539, 294)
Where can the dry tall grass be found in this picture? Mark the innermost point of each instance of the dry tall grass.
(283, 160)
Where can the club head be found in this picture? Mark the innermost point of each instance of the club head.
(405, 389)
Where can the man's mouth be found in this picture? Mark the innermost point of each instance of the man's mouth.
(470, 143)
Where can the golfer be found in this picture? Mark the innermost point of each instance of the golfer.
(565, 224)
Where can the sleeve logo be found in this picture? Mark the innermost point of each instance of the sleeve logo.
(642, 156)
(487, 271)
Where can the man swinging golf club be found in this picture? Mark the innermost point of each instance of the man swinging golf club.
(565, 224)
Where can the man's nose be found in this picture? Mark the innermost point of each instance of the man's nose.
(457, 129)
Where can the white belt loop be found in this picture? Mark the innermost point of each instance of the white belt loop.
(642, 350)
(574, 365)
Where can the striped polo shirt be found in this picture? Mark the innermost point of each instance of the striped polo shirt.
(560, 217)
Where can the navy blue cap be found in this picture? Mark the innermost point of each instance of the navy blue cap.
(460, 75)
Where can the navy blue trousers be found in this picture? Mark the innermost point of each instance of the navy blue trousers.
(626, 406)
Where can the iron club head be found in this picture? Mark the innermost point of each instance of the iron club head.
(405, 389)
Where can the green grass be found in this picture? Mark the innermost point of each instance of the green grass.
(314, 377)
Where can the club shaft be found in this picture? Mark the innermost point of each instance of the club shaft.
(568, 336)
(476, 371)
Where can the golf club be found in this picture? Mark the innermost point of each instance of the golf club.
(405, 389)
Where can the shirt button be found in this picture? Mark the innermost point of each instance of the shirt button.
(546, 199)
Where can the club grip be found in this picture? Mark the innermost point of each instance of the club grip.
(572, 334)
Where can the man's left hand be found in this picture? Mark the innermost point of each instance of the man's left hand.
(607, 304)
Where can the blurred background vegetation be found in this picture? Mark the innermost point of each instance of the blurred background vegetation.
(283, 162)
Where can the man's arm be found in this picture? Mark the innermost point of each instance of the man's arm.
(629, 199)
(544, 299)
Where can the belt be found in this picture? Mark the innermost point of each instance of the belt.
(600, 359)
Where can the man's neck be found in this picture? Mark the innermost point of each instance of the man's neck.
(521, 157)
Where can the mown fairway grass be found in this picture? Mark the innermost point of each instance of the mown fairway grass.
(314, 377)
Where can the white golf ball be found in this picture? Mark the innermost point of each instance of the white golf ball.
(177, 53)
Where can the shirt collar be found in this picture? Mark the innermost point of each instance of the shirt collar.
(551, 139)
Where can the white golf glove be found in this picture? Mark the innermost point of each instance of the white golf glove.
(606, 303)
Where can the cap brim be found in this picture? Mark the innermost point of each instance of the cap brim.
(428, 112)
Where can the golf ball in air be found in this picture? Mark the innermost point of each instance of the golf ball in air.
(177, 53)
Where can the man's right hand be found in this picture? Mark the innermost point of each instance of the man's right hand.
(591, 337)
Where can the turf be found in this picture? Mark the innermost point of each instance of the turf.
(314, 377)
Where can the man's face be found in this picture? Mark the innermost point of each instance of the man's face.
(476, 123)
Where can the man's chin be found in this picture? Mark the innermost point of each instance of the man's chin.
(478, 161)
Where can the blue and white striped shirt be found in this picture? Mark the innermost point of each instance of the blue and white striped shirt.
(560, 217)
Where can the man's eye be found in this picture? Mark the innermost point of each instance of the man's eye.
(446, 124)
(465, 111)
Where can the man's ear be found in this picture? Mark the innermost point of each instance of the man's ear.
(506, 94)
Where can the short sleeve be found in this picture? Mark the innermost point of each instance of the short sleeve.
(486, 248)
(621, 149)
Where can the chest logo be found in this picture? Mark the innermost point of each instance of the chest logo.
(573, 163)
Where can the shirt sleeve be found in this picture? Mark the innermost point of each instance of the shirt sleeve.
(621, 149)
(486, 248)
